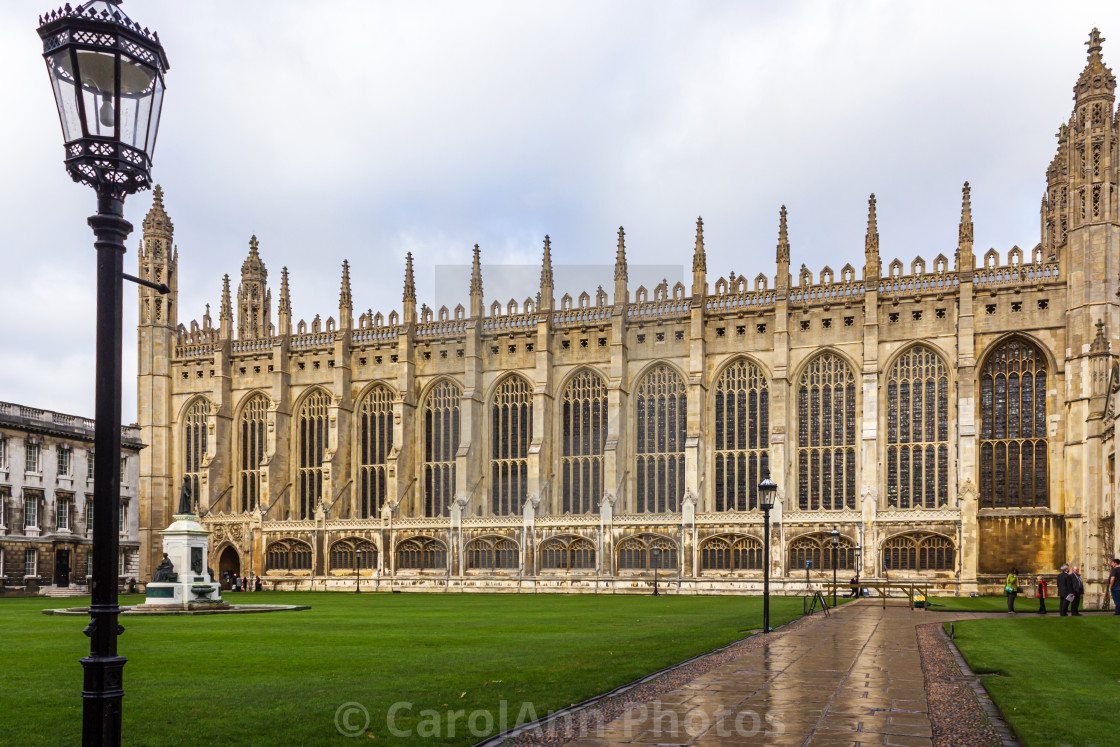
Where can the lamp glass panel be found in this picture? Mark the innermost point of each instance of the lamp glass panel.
(97, 74)
(137, 89)
(65, 95)
(153, 119)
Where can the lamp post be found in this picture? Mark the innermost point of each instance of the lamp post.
(858, 562)
(835, 546)
(358, 571)
(655, 555)
(106, 73)
(767, 489)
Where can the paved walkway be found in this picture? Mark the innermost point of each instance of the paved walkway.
(853, 678)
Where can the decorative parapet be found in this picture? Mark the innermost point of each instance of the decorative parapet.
(260, 345)
(423, 522)
(195, 351)
(920, 285)
(581, 317)
(719, 304)
(377, 334)
(34, 419)
(737, 517)
(285, 527)
(312, 340)
(494, 521)
(1033, 274)
(821, 517)
(638, 519)
(663, 309)
(510, 323)
(826, 294)
(445, 328)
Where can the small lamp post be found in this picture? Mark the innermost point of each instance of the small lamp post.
(106, 73)
(358, 571)
(858, 561)
(655, 556)
(767, 490)
(835, 546)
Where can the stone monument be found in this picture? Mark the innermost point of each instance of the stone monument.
(182, 579)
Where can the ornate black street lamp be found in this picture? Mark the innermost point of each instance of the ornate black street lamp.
(655, 556)
(358, 571)
(106, 72)
(858, 562)
(767, 489)
(835, 546)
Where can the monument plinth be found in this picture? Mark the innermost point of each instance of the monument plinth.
(182, 579)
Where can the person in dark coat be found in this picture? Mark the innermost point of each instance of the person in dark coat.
(1065, 591)
(1078, 591)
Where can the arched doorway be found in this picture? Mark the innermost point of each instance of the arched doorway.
(229, 564)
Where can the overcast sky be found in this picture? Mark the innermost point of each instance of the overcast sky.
(365, 130)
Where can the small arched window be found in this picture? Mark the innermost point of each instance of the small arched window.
(815, 551)
(375, 441)
(421, 554)
(312, 434)
(568, 553)
(492, 553)
(250, 444)
(511, 433)
(345, 558)
(636, 553)
(731, 552)
(742, 410)
(919, 551)
(288, 555)
(661, 422)
(194, 447)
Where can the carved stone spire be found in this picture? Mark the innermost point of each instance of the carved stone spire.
(1099, 345)
(476, 284)
(345, 299)
(547, 300)
(699, 264)
(158, 263)
(621, 294)
(254, 300)
(1096, 80)
(872, 267)
(284, 307)
(781, 279)
(225, 311)
(965, 260)
(409, 295)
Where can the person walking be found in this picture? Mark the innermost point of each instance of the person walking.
(1114, 585)
(1040, 589)
(1078, 591)
(257, 584)
(1065, 591)
(1011, 589)
(855, 587)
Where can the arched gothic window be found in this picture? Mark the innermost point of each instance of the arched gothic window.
(919, 551)
(583, 434)
(568, 553)
(1013, 459)
(826, 435)
(421, 554)
(343, 554)
(731, 553)
(742, 437)
(288, 555)
(312, 425)
(194, 447)
(492, 553)
(375, 441)
(441, 441)
(635, 553)
(662, 416)
(816, 550)
(250, 443)
(511, 432)
(918, 431)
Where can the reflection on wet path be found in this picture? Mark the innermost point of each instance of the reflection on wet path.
(853, 678)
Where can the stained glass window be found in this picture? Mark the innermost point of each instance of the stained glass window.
(421, 554)
(826, 437)
(511, 433)
(583, 435)
(312, 428)
(441, 441)
(568, 553)
(250, 444)
(1013, 463)
(375, 441)
(492, 553)
(816, 550)
(731, 553)
(635, 553)
(917, 430)
(343, 554)
(288, 555)
(662, 415)
(742, 436)
(919, 551)
(194, 447)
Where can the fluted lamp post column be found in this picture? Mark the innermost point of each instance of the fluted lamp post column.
(767, 490)
(106, 73)
(835, 535)
(358, 570)
(655, 558)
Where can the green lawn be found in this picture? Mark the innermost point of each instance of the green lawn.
(1061, 678)
(986, 604)
(279, 678)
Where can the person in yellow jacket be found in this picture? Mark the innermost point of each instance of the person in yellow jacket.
(1011, 589)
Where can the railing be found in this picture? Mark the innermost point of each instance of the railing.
(1021, 275)
(660, 309)
(195, 351)
(313, 339)
(736, 301)
(376, 334)
(446, 328)
(252, 346)
(913, 285)
(511, 323)
(579, 317)
(32, 415)
(832, 293)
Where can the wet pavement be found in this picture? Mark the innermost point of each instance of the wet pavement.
(853, 678)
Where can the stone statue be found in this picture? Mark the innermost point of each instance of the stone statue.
(185, 506)
(165, 572)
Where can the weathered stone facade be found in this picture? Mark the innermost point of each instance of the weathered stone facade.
(46, 500)
(947, 416)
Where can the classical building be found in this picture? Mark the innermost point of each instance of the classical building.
(46, 500)
(948, 416)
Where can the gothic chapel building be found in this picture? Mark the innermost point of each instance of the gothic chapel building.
(950, 417)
